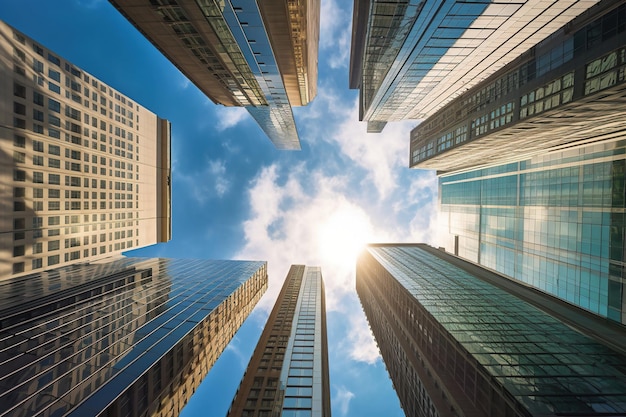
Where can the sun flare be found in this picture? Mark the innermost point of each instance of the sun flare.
(343, 235)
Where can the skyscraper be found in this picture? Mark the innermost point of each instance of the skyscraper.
(459, 340)
(127, 337)
(554, 221)
(288, 372)
(565, 91)
(259, 55)
(85, 169)
(409, 58)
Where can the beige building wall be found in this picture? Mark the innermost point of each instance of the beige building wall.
(84, 170)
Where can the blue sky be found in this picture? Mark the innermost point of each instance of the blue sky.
(236, 197)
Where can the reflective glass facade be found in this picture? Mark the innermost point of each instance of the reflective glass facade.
(455, 344)
(288, 373)
(409, 58)
(259, 55)
(555, 222)
(129, 337)
(528, 106)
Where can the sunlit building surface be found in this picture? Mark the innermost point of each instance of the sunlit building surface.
(554, 221)
(288, 373)
(409, 58)
(85, 171)
(128, 337)
(459, 340)
(259, 55)
(567, 90)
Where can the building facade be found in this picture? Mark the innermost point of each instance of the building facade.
(459, 340)
(567, 90)
(409, 58)
(288, 372)
(554, 221)
(85, 170)
(126, 337)
(259, 55)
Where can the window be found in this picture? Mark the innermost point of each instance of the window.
(37, 160)
(19, 206)
(38, 98)
(19, 108)
(53, 120)
(54, 193)
(19, 157)
(19, 90)
(38, 177)
(54, 59)
(37, 128)
(54, 133)
(19, 141)
(54, 163)
(53, 245)
(19, 175)
(54, 179)
(18, 267)
(54, 105)
(19, 192)
(37, 247)
(19, 123)
(18, 250)
(54, 221)
(54, 88)
(37, 263)
(54, 205)
(37, 65)
(54, 150)
(53, 260)
(38, 115)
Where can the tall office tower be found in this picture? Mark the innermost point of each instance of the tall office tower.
(288, 372)
(567, 90)
(259, 55)
(409, 58)
(459, 340)
(127, 337)
(85, 170)
(554, 221)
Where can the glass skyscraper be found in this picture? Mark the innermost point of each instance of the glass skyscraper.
(459, 340)
(128, 337)
(554, 221)
(288, 373)
(259, 55)
(567, 90)
(411, 57)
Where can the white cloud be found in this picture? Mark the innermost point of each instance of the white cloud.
(230, 116)
(335, 35)
(210, 182)
(342, 398)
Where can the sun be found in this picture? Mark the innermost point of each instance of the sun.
(343, 235)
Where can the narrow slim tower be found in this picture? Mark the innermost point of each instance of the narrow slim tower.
(460, 340)
(288, 372)
(119, 338)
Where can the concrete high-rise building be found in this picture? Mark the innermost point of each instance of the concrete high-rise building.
(460, 340)
(127, 337)
(409, 58)
(85, 170)
(554, 221)
(567, 90)
(259, 55)
(288, 372)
